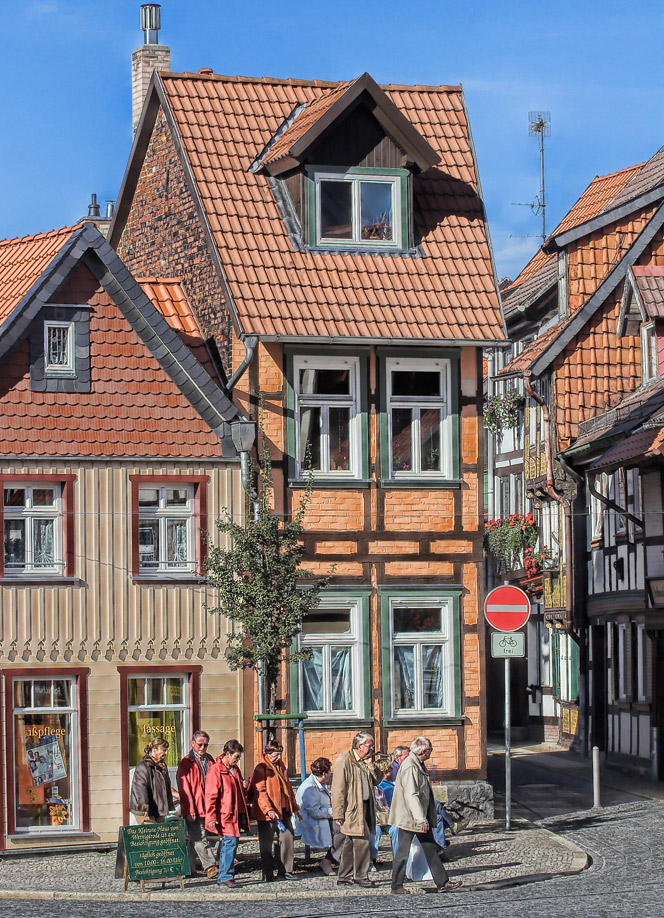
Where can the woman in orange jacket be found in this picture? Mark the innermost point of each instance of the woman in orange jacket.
(273, 809)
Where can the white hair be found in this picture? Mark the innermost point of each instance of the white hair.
(420, 744)
(360, 738)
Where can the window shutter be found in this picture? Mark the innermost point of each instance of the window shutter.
(629, 661)
(647, 666)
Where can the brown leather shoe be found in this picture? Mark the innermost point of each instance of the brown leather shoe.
(450, 886)
(367, 883)
(212, 871)
(231, 884)
(400, 889)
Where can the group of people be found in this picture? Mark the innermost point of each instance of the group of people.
(335, 809)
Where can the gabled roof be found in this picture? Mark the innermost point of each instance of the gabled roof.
(648, 282)
(443, 291)
(534, 279)
(30, 282)
(644, 445)
(524, 361)
(308, 126)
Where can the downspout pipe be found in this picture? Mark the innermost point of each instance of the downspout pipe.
(555, 495)
(250, 344)
(602, 498)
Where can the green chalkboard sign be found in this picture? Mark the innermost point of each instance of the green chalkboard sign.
(156, 851)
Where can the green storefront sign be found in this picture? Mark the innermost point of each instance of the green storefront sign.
(156, 851)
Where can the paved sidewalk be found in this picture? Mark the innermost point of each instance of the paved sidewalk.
(482, 856)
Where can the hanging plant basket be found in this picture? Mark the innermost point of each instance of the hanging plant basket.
(508, 538)
(501, 412)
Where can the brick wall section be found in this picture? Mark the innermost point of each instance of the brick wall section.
(163, 237)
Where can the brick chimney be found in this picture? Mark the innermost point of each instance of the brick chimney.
(150, 56)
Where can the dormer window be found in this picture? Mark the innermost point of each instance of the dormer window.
(358, 207)
(59, 347)
(648, 352)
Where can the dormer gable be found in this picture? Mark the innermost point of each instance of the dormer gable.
(642, 314)
(345, 161)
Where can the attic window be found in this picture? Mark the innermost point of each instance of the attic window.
(59, 347)
(358, 207)
(648, 352)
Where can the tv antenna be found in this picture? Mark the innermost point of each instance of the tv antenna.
(540, 124)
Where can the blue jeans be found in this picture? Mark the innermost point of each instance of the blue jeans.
(227, 848)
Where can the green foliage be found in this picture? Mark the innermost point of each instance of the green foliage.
(259, 583)
(508, 538)
(501, 412)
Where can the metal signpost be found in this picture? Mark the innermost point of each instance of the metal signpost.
(506, 609)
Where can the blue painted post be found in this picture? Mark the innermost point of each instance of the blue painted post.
(303, 772)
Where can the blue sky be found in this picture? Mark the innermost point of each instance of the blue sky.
(596, 66)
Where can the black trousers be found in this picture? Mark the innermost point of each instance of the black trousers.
(430, 848)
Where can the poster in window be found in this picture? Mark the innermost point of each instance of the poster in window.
(45, 760)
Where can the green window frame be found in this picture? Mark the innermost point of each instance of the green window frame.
(356, 641)
(355, 178)
(446, 362)
(398, 640)
(357, 361)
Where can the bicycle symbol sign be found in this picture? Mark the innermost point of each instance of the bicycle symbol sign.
(508, 645)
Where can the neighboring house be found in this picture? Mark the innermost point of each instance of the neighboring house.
(117, 454)
(591, 348)
(332, 238)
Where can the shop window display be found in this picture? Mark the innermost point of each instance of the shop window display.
(45, 757)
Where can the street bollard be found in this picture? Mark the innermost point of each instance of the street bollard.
(596, 803)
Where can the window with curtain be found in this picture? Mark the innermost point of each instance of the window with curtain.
(358, 209)
(331, 679)
(418, 418)
(165, 529)
(422, 660)
(32, 523)
(158, 706)
(327, 416)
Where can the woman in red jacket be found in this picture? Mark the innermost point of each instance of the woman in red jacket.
(225, 808)
(273, 809)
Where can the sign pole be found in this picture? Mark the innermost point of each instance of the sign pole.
(508, 739)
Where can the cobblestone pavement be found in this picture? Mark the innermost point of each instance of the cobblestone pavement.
(624, 842)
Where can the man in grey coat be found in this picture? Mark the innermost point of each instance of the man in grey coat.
(413, 810)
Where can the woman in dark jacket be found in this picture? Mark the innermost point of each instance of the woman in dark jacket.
(151, 794)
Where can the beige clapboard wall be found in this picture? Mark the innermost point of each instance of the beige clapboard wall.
(104, 620)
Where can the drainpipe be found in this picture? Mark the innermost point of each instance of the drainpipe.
(559, 498)
(249, 351)
(490, 463)
(602, 498)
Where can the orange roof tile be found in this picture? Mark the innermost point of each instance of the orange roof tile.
(598, 195)
(22, 261)
(448, 294)
(522, 361)
(169, 298)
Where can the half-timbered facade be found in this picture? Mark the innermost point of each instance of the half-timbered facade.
(342, 265)
(117, 454)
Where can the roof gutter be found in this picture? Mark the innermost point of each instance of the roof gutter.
(555, 495)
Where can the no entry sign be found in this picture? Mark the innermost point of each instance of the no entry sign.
(507, 608)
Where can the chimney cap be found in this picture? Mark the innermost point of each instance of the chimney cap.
(151, 22)
(93, 207)
(206, 71)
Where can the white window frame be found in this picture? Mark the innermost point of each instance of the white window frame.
(325, 402)
(649, 357)
(443, 402)
(352, 638)
(641, 657)
(59, 369)
(28, 513)
(74, 782)
(443, 638)
(165, 514)
(355, 179)
(622, 663)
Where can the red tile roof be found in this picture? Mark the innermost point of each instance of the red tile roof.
(22, 262)
(523, 361)
(169, 298)
(646, 443)
(649, 282)
(224, 124)
(599, 194)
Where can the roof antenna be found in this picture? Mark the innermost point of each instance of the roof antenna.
(540, 124)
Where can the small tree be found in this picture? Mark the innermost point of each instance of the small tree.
(259, 584)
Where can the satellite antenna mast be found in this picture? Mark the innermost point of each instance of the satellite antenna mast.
(540, 124)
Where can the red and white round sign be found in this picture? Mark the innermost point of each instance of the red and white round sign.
(507, 608)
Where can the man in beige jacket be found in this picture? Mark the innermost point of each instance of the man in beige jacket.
(413, 810)
(354, 808)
